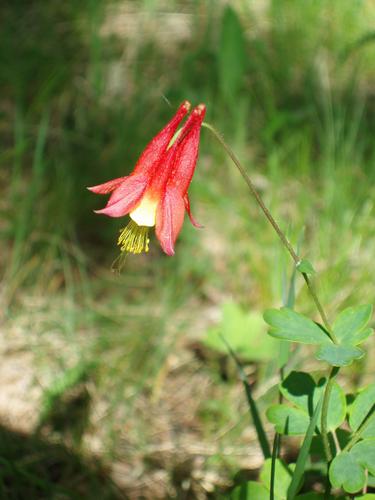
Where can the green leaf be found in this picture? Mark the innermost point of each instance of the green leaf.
(283, 477)
(301, 389)
(252, 490)
(232, 59)
(288, 420)
(367, 496)
(350, 325)
(304, 452)
(346, 472)
(336, 406)
(249, 491)
(339, 355)
(289, 325)
(298, 388)
(364, 452)
(361, 408)
(304, 266)
(246, 333)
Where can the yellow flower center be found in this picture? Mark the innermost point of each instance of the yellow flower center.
(145, 213)
(134, 238)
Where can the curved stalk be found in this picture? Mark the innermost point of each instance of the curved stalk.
(297, 260)
(274, 224)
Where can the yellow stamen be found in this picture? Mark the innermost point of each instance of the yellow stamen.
(134, 238)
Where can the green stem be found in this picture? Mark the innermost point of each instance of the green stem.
(297, 260)
(274, 224)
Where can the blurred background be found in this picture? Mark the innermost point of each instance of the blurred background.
(118, 386)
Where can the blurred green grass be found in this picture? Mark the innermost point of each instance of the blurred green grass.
(84, 86)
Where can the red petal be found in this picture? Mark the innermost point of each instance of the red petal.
(187, 207)
(187, 154)
(107, 187)
(169, 219)
(125, 197)
(153, 152)
(168, 160)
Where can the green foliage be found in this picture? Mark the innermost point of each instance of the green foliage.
(350, 326)
(348, 468)
(251, 490)
(304, 393)
(349, 329)
(339, 355)
(288, 420)
(362, 409)
(345, 472)
(304, 453)
(287, 324)
(246, 333)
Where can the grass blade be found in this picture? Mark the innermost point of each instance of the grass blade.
(275, 454)
(303, 454)
(261, 434)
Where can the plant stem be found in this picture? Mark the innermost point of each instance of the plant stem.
(274, 224)
(309, 284)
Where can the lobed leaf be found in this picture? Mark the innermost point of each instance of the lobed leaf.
(339, 355)
(301, 389)
(360, 409)
(288, 420)
(347, 473)
(350, 325)
(364, 452)
(294, 327)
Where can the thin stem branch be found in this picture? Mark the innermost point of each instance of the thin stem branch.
(274, 224)
(309, 284)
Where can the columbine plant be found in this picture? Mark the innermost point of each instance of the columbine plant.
(343, 428)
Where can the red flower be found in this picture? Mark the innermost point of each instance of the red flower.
(155, 194)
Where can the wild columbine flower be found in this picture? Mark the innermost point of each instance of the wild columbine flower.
(156, 193)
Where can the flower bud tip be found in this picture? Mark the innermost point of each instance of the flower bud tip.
(186, 105)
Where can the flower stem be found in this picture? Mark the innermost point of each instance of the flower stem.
(309, 284)
(274, 224)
